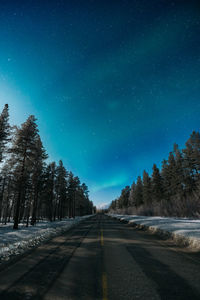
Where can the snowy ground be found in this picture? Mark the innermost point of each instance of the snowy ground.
(13, 242)
(183, 231)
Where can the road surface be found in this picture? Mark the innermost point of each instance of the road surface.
(102, 258)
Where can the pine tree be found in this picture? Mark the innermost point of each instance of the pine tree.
(23, 148)
(76, 187)
(172, 174)
(138, 193)
(71, 194)
(49, 189)
(191, 156)
(180, 173)
(37, 172)
(61, 190)
(157, 188)
(166, 182)
(124, 198)
(84, 196)
(175, 173)
(147, 198)
(30, 188)
(9, 191)
(113, 205)
(131, 195)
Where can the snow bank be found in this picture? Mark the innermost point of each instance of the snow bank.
(13, 242)
(185, 232)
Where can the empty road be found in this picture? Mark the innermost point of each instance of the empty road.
(102, 258)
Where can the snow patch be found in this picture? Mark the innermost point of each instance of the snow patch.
(183, 231)
(14, 242)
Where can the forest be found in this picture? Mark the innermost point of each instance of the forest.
(30, 188)
(172, 190)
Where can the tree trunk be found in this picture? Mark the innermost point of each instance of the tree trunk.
(17, 209)
(1, 197)
(35, 202)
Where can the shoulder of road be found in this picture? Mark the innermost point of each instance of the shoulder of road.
(183, 231)
(16, 242)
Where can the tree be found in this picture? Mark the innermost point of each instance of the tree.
(29, 187)
(37, 172)
(138, 193)
(83, 198)
(61, 189)
(113, 205)
(23, 149)
(191, 157)
(166, 183)
(76, 191)
(131, 195)
(71, 194)
(49, 190)
(157, 188)
(172, 170)
(8, 189)
(180, 173)
(174, 173)
(146, 188)
(124, 198)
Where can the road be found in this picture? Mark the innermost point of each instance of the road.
(102, 258)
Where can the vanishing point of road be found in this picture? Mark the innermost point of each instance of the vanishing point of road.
(102, 258)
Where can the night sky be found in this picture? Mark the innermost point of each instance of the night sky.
(113, 83)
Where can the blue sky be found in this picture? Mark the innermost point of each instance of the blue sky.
(113, 84)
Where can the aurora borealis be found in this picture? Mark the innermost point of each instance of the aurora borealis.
(113, 83)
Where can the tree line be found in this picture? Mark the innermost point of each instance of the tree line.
(172, 190)
(30, 188)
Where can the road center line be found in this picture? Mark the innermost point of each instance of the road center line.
(102, 242)
(104, 286)
(104, 277)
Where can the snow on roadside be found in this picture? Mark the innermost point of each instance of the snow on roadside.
(14, 242)
(183, 231)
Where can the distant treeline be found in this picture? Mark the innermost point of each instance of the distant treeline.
(172, 191)
(31, 189)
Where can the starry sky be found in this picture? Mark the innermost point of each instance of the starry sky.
(113, 83)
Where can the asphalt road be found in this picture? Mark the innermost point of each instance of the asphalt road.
(102, 258)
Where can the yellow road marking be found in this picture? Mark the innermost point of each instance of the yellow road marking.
(104, 286)
(102, 242)
(104, 277)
